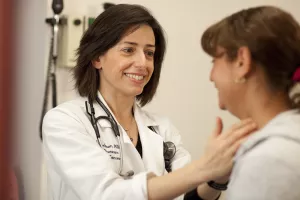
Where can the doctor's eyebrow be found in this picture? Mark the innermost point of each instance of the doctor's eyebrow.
(135, 44)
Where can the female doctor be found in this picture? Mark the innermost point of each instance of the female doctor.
(104, 146)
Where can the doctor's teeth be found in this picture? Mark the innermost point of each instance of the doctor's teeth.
(136, 77)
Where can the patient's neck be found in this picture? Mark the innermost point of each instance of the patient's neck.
(266, 107)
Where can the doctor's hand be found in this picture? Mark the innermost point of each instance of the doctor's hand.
(217, 160)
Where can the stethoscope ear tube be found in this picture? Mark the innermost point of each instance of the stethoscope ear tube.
(93, 120)
(110, 118)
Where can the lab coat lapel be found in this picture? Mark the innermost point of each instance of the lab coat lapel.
(152, 143)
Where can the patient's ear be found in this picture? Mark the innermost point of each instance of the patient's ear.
(244, 62)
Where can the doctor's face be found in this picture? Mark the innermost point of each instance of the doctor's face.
(128, 66)
(223, 76)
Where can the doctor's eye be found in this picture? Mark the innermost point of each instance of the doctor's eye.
(128, 50)
(149, 53)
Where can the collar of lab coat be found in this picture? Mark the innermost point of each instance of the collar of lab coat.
(140, 116)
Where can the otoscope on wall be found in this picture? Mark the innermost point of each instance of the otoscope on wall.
(54, 22)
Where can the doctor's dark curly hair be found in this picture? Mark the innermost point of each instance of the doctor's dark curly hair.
(105, 32)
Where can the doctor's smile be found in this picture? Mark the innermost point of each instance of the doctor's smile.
(136, 78)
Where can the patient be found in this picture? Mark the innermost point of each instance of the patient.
(256, 68)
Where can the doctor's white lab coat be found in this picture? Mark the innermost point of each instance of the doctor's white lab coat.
(78, 168)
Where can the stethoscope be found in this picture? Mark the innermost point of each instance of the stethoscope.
(169, 149)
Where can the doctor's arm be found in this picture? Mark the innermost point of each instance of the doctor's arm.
(180, 160)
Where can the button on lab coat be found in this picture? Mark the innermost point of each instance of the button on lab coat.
(78, 168)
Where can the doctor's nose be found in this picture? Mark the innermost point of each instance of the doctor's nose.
(140, 60)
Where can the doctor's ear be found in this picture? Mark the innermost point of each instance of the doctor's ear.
(96, 63)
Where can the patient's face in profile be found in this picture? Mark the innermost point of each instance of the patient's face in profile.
(223, 75)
